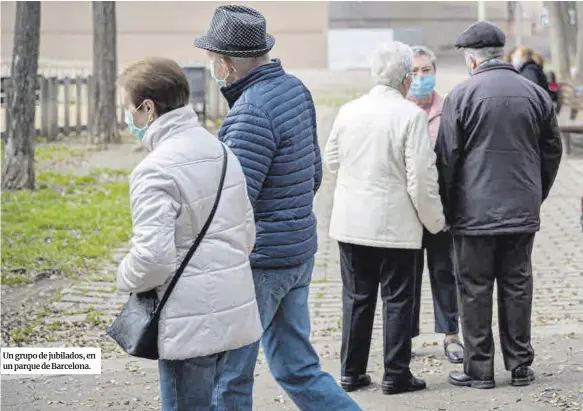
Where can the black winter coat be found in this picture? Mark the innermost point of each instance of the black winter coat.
(535, 73)
(498, 152)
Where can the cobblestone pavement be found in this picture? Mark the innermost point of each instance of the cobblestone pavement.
(557, 328)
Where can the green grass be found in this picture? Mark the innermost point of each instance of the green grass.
(94, 317)
(68, 226)
(57, 152)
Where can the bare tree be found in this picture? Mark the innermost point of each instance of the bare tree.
(104, 127)
(570, 29)
(559, 48)
(18, 164)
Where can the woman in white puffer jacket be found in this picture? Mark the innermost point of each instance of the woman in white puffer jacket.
(212, 309)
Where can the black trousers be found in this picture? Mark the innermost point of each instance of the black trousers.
(479, 261)
(439, 248)
(363, 269)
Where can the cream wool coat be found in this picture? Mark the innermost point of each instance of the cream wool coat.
(212, 308)
(387, 188)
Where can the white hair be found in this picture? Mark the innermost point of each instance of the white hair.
(425, 51)
(486, 53)
(244, 65)
(391, 64)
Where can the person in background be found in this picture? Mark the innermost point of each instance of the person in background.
(439, 247)
(271, 127)
(538, 59)
(498, 152)
(508, 55)
(522, 60)
(555, 91)
(212, 308)
(385, 193)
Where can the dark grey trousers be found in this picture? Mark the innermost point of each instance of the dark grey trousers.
(479, 261)
(363, 270)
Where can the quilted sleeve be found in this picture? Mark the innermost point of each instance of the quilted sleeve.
(318, 172)
(248, 132)
(155, 204)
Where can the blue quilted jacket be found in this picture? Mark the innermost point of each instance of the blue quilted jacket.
(271, 127)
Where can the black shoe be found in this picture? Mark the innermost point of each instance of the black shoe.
(349, 384)
(461, 379)
(522, 376)
(408, 384)
(454, 357)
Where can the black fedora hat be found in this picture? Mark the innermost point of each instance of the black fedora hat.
(237, 31)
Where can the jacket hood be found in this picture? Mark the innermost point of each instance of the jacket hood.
(529, 63)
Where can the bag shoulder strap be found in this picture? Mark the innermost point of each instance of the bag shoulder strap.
(199, 237)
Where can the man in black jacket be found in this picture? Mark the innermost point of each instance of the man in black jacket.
(498, 152)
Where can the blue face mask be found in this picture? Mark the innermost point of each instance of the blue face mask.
(221, 83)
(138, 133)
(422, 86)
(516, 62)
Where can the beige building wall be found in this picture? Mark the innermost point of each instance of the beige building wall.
(439, 22)
(167, 28)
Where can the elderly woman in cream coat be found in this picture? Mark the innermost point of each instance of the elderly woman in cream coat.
(212, 309)
(386, 192)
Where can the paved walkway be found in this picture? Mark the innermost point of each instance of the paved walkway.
(127, 384)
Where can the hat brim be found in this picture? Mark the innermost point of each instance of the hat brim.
(206, 43)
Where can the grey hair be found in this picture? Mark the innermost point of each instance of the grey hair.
(486, 53)
(425, 51)
(246, 64)
(391, 64)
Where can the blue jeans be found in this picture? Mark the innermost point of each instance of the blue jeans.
(282, 295)
(187, 385)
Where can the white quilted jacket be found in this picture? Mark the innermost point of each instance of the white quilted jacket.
(213, 307)
(386, 189)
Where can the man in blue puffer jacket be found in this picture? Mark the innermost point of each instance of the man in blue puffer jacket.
(271, 127)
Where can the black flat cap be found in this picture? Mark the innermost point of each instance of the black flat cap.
(480, 35)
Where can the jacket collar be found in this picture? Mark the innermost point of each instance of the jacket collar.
(432, 104)
(382, 90)
(436, 106)
(233, 91)
(168, 125)
(494, 65)
(528, 63)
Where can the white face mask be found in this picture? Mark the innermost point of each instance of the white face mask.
(220, 82)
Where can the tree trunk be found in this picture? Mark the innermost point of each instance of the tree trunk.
(18, 164)
(570, 30)
(559, 48)
(104, 127)
(579, 54)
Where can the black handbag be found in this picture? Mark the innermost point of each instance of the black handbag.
(135, 330)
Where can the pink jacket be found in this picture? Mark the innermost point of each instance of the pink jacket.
(434, 115)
